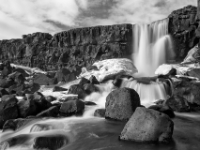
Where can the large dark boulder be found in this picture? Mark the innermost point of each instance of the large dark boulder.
(8, 109)
(147, 125)
(72, 107)
(39, 100)
(121, 103)
(77, 89)
(27, 107)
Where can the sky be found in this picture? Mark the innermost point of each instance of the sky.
(19, 17)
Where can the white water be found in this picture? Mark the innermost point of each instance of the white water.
(151, 42)
(150, 46)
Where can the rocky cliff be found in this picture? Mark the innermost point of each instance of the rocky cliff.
(182, 26)
(71, 49)
(80, 47)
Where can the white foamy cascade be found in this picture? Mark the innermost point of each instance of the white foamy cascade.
(150, 45)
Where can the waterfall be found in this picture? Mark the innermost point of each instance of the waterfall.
(150, 44)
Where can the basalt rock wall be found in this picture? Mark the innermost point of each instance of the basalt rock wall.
(182, 26)
(72, 49)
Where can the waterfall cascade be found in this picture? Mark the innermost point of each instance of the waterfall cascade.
(150, 43)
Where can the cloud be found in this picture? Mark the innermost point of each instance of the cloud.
(27, 16)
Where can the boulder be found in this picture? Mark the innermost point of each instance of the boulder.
(27, 107)
(194, 72)
(78, 90)
(99, 113)
(89, 88)
(72, 107)
(121, 103)
(110, 68)
(163, 109)
(50, 142)
(147, 125)
(40, 101)
(51, 112)
(64, 75)
(178, 103)
(8, 109)
(50, 98)
(43, 79)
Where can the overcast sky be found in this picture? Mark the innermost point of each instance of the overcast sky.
(18, 17)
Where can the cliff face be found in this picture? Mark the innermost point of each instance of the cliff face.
(182, 26)
(80, 47)
(198, 20)
(72, 49)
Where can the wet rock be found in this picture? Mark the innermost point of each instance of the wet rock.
(9, 99)
(7, 69)
(3, 92)
(194, 73)
(178, 103)
(27, 107)
(192, 56)
(147, 125)
(163, 109)
(121, 103)
(83, 81)
(89, 103)
(64, 75)
(59, 89)
(72, 107)
(117, 82)
(89, 88)
(40, 101)
(99, 113)
(51, 142)
(111, 68)
(50, 98)
(93, 80)
(43, 79)
(51, 112)
(78, 90)
(15, 124)
(8, 109)
(6, 82)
